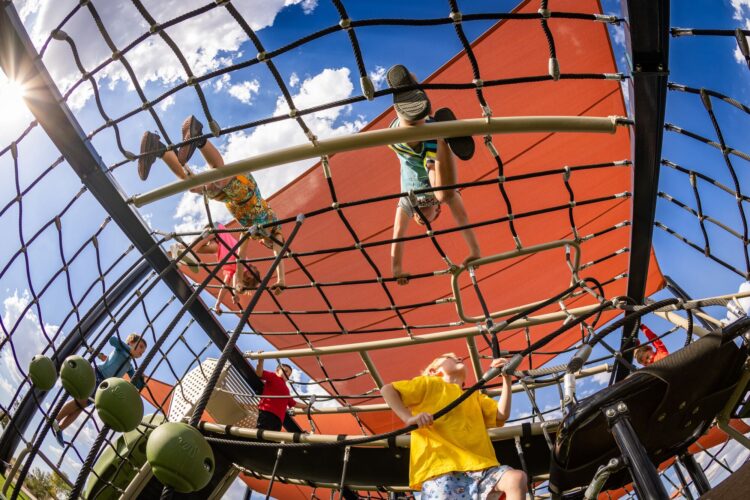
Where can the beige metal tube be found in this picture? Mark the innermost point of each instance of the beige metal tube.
(415, 339)
(372, 369)
(520, 252)
(381, 137)
(402, 441)
(681, 322)
(471, 345)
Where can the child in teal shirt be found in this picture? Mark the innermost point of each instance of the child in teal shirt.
(117, 364)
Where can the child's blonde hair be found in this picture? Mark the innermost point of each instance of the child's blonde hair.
(436, 362)
(135, 339)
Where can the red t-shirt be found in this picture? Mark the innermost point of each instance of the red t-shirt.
(660, 350)
(227, 242)
(275, 386)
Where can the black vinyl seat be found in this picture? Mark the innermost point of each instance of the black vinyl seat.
(670, 404)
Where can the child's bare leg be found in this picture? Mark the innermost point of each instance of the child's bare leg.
(70, 412)
(170, 158)
(397, 247)
(513, 484)
(444, 174)
(277, 287)
(212, 155)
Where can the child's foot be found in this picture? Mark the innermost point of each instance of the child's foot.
(191, 128)
(151, 149)
(57, 432)
(412, 105)
(277, 287)
(463, 147)
(174, 253)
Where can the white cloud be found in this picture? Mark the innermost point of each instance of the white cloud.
(293, 80)
(618, 37)
(309, 390)
(208, 41)
(166, 103)
(191, 212)
(221, 82)
(27, 341)
(741, 10)
(378, 77)
(601, 378)
(244, 91)
(328, 85)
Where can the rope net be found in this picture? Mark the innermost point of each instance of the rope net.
(551, 212)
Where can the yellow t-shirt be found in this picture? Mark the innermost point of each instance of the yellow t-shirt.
(458, 441)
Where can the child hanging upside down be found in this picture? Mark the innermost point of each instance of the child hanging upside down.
(423, 165)
(453, 457)
(117, 364)
(646, 354)
(219, 245)
(239, 193)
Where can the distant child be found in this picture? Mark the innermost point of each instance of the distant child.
(219, 244)
(240, 193)
(271, 411)
(423, 165)
(646, 354)
(453, 457)
(117, 364)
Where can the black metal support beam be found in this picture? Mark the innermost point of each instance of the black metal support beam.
(694, 470)
(648, 43)
(21, 418)
(21, 62)
(645, 476)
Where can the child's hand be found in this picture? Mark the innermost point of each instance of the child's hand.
(218, 310)
(499, 363)
(102, 357)
(420, 420)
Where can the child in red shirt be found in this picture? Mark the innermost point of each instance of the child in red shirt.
(219, 244)
(646, 354)
(271, 411)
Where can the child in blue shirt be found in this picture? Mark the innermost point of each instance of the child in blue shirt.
(117, 364)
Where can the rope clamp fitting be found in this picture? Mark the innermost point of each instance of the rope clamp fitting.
(346, 24)
(261, 56)
(154, 28)
(456, 17)
(478, 83)
(292, 113)
(545, 13)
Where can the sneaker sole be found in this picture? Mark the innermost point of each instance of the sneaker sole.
(150, 146)
(411, 104)
(462, 147)
(191, 127)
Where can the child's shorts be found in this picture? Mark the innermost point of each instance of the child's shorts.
(246, 204)
(474, 485)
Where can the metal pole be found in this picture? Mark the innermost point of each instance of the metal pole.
(695, 472)
(646, 479)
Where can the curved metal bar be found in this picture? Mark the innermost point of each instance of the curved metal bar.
(520, 252)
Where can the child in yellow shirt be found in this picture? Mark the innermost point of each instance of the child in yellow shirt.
(453, 457)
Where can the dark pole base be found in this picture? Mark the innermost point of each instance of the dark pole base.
(646, 479)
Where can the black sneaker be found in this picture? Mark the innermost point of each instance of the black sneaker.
(462, 147)
(191, 128)
(151, 149)
(413, 104)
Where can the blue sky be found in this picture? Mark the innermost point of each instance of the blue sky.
(322, 71)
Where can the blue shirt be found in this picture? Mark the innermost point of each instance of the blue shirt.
(118, 363)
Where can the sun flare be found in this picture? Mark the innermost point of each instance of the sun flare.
(12, 106)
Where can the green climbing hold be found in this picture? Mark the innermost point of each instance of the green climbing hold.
(119, 404)
(77, 376)
(42, 372)
(180, 457)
